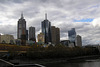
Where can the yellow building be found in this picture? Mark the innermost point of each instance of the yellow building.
(9, 39)
(41, 37)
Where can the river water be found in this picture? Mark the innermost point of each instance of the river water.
(86, 63)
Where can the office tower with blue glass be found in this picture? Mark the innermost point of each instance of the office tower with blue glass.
(46, 30)
(72, 36)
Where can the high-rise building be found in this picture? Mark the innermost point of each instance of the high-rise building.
(72, 35)
(41, 37)
(78, 41)
(46, 30)
(26, 34)
(55, 35)
(21, 30)
(32, 33)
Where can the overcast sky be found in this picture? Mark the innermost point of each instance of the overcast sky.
(83, 15)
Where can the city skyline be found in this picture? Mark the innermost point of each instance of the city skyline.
(83, 16)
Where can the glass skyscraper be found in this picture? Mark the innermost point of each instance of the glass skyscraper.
(46, 30)
(21, 29)
(72, 35)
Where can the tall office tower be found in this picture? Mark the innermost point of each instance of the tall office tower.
(78, 41)
(21, 30)
(72, 35)
(32, 33)
(26, 34)
(46, 30)
(55, 35)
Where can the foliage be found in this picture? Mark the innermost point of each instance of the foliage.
(59, 51)
(36, 51)
(7, 47)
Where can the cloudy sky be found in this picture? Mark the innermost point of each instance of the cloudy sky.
(83, 15)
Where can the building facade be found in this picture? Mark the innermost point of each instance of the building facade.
(18, 41)
(55, 35)
(71, 45)
(41, 38)
(78, 41)
(65, 42)
(7, 39)
(26, 34)
(46, 30)
(32, 33)
(72, 36)
(21, 30)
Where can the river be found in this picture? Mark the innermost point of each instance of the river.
(86, 63)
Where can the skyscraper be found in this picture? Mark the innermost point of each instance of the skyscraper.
(21, 30)
(79, 41)
(32, 33)
(72, 35)
(55, 35)
(26, 34)
(46, 30)
(21, 27)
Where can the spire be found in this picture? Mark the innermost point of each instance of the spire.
(46, 16)
(22, 15)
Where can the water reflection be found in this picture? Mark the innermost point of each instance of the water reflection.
(75, 64)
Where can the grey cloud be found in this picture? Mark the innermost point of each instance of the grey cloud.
(8, 29)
